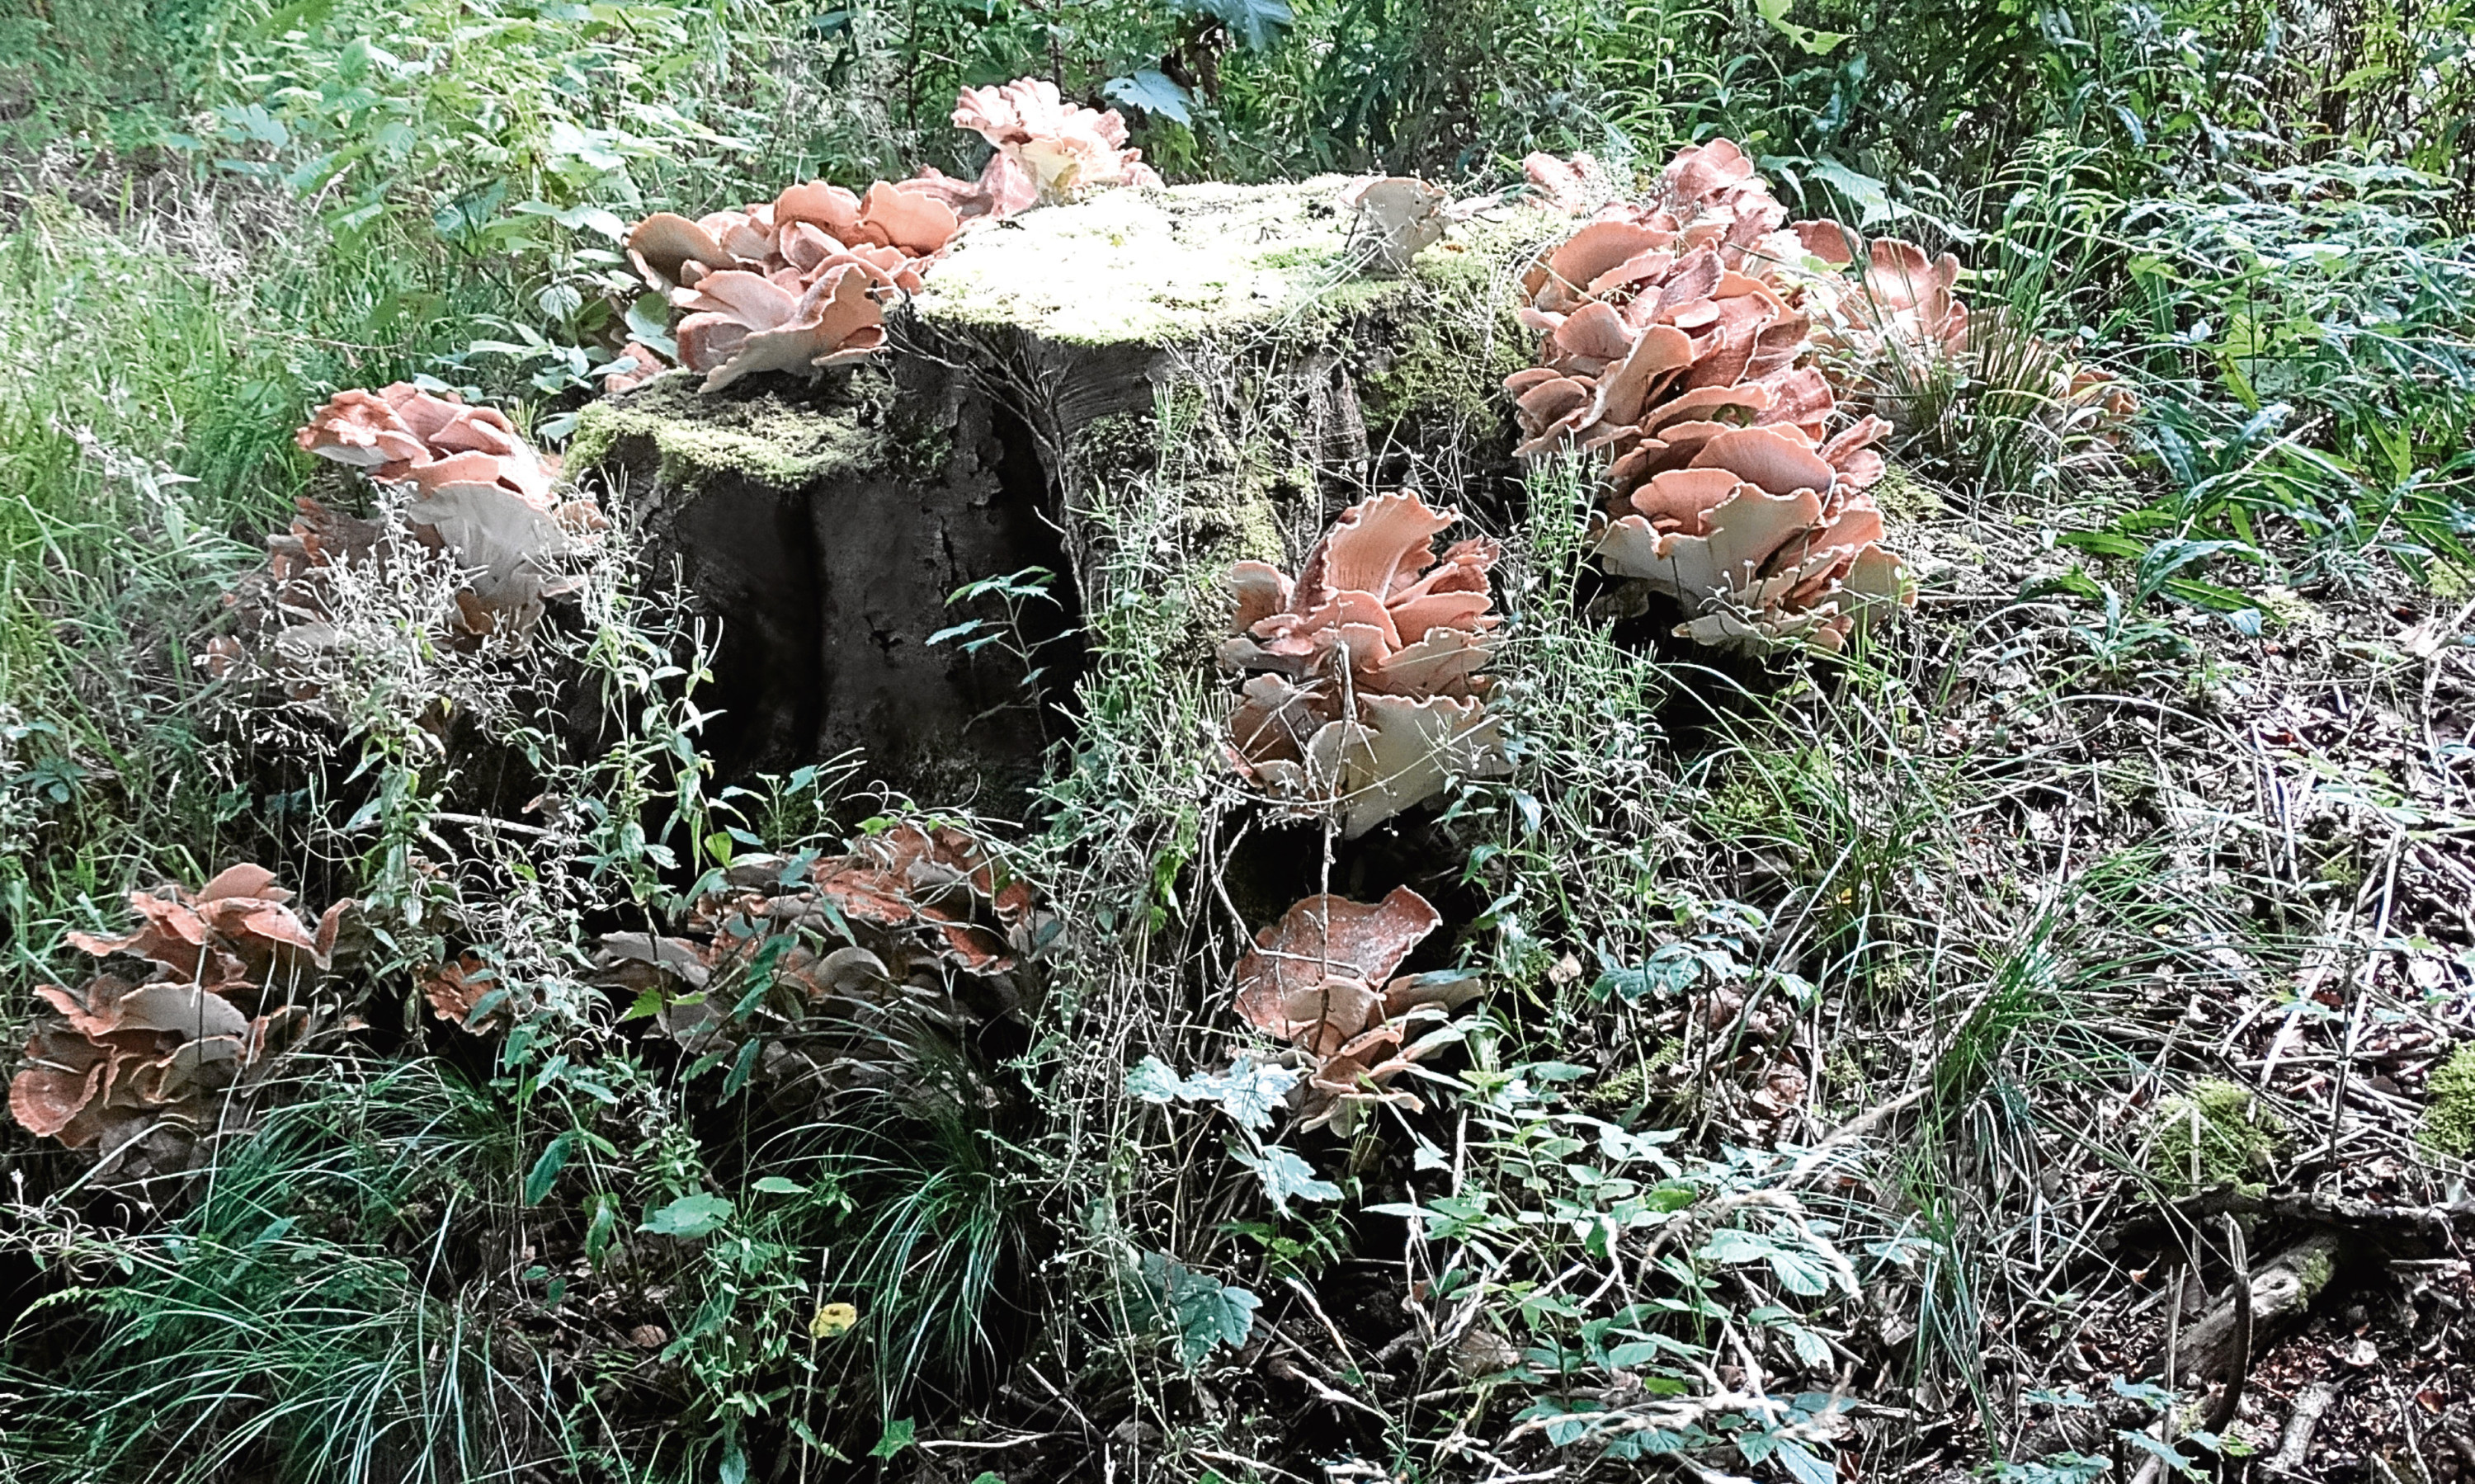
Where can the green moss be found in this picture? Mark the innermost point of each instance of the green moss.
(1442, 367)
(1904, 499)
(2315, 1269)
(1187, 264)
(1632, 1082)
(2216, 1130)
(2449, 1105)
(2292, 610)
(1299, 257)
(776, 436)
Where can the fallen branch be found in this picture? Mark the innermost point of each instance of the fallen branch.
(2281, 1291)
(2295, 1444)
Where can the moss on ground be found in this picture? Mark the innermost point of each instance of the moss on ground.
(2449, 1105)
(1904, 499)
(2214, 1135)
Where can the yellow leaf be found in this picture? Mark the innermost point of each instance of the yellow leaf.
(832, 1320)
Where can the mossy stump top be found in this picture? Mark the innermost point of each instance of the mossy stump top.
(1189, 263)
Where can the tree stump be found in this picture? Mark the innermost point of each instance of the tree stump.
(1211, 367)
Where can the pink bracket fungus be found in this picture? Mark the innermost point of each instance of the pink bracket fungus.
(1064, 148)
(739, 324)
(138, 1067)
(799, 283)
(1366, 693)
(1322, 979)
(1675, 338)
(1396, 218)
(1576, 186)
(484, 496)
(929, 923)
(636, 364)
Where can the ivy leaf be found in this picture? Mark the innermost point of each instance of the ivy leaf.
(1288, 1177)
(1673, 969)
(688, 1217)
(1153, 91)
(900, 1434)
(1248, 1092)
(1259, 24)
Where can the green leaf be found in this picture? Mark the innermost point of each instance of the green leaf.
(603, 1227)
(742, 1069)
(777, 1186)
(2165, 1452)
(1870, 195)
(1817, 42)
(1153, 91)
(652, 1002)
(1249, 1092)
(1801, 1274)
(688, 1217)
(649, 320)
(1207, 1312)
(1288, 1177)
(2102, 543)
(1801, 1466)
(1258, 24)
(900, 1434)
(545, 1170)
(1154, 1080)
(2147, 1393)
(1727, 1245)
(256, 124)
